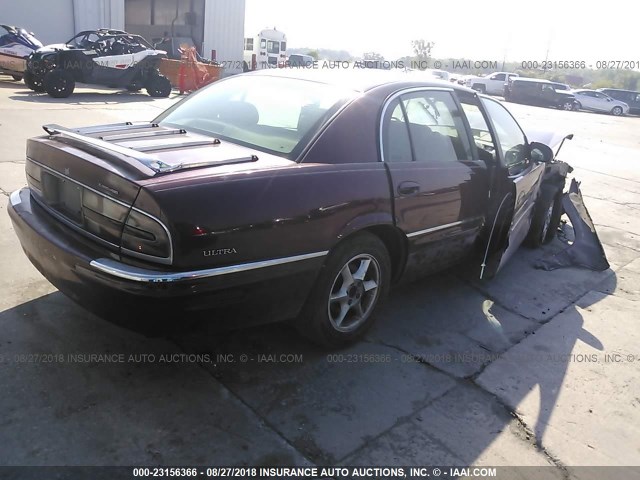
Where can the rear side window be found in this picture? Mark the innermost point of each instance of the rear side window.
(425, 126)
(396, 142)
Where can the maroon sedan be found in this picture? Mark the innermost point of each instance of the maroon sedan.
(302, 194)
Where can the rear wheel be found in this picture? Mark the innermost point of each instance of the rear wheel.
(617, 111)
(33, 82)
(158, 86)
(17, 78)
(350, 286)
(546, 218)
(59, 83)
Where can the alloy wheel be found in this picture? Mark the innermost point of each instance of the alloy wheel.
(354, 293)
(547, 221)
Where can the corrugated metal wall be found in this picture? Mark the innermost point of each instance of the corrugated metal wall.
(51, 22)
(58, 21)
(94, 14)
(224, 32)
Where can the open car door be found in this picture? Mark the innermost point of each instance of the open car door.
(515, 186)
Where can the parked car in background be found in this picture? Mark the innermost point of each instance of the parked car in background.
(300, 60)
(599, 102)
(493, 84)
(561, 86)
(16, 44)
(630, 97)
(112, 58)
(253, 192)
(543, 93)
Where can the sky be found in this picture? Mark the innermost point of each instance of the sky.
(515, 30)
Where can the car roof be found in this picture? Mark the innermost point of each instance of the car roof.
(532, 80)
(616, 90)
(356, 78)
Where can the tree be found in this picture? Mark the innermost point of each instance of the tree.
(314, 54)
(422, 50)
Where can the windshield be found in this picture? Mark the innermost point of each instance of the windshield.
(276, 115)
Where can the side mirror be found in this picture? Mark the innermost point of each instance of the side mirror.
(541, 153)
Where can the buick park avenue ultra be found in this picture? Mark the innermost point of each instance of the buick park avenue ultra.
(304, 194)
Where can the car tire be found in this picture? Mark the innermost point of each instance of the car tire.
(480, 88)
(341, 306)
(617, 111)
(568, 106)
(577, 106)
(59, 83)
(33, 82)
(17, 78)
(159, 86)
(546, 218)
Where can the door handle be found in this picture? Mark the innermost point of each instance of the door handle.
(408, 188)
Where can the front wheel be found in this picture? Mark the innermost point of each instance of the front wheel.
(568, 106)
(617, 111)
(59, 83)
(33, 82)
(17, 78)
(480, 88)
(350, 286)
(159, 86)
(546, 218)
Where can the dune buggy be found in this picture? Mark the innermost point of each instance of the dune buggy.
(113, 58)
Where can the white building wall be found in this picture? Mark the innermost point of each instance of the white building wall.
(95, 14)
(50, 21)
(224, 32)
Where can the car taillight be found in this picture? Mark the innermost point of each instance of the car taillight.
(103, 217)
(144, 236)
(34, 177)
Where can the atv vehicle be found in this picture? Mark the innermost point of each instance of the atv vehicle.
(113, 58)
(16, 44)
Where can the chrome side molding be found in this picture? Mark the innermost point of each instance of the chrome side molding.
(142, 275)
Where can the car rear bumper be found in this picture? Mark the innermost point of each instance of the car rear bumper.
(86, 272)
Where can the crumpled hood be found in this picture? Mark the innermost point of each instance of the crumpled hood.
(554, 140)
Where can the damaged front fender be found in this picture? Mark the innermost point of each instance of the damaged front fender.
(586, 251)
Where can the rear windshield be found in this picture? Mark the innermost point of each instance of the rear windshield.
(272, 114)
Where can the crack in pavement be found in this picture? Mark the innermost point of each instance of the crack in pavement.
(607, 174)
(264, 421)
(528, 433)
(624, 204)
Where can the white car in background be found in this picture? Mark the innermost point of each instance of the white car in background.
(599, 102)
(493, 84)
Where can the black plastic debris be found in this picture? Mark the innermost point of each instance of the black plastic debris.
(586, 250)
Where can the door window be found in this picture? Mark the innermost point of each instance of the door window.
(512, 140)
(480, 131)
(436, 128)
(499, 76)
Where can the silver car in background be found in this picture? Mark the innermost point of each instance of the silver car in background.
(599, 102)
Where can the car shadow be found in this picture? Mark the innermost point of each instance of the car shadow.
(413, 379)
(87, 98)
